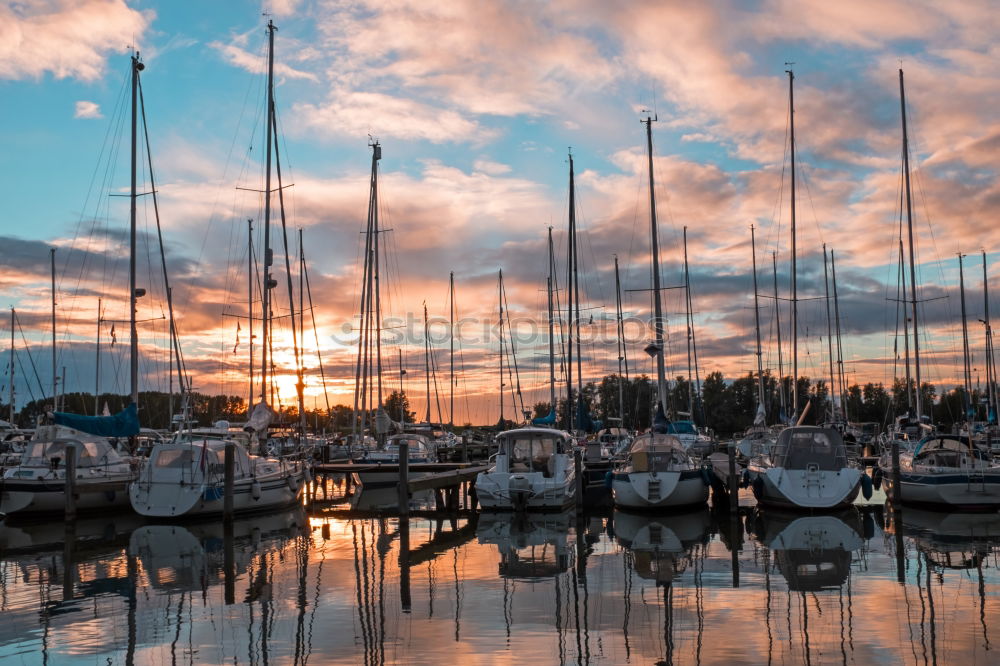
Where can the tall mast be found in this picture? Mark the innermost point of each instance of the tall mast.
(840, 347)
(913, 268)
(829, 336)
(777, 328)
(250, 276)
(621, 344)
(795, 292)
(97, 361)
(991, 369)
(661, 380)
(687, 317)
(427, 364)
(451, 339)
(266, 291)
(552, 340)
(966, 369)
(500, 302)
(570, 295)
(133, 333)
(12, 366)
(906, 324)
(55, 389)
(756, 319)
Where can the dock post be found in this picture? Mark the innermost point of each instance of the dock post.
(465, 449)
(897, 495)
(229, 480)
(578, 470)
(70, 490)
(228, 563)
(404, 561)
(404, 479)
(733, 485)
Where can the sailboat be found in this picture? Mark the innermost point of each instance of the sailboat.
(38, 483)
(185, 477)
(940, 470)
(658, 471)
(807, 468)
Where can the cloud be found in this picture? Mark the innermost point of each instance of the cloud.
(66, 38)
(85, 109)
(241, 58)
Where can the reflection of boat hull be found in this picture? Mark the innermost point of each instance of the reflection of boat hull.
(812, 552)
(661, 544)
(805, 489)
(42, 535)
(387, 499)
(960, 491)
(653, 490)
(532, 546)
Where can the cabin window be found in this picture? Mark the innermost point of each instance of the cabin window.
(533, 453)
(174, 458)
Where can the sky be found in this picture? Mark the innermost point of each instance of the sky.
(477, 106)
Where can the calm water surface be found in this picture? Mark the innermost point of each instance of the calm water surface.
(615, 588)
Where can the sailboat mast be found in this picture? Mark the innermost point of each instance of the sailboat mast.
(266, 283)
(500, 303)
(777, 327)
(451, 338)
(913, 268)
(134, 335)
(991, 369)
(621, 344)
(661, 380)
(427, 364)
(756, 319)
(552, 340)
(250, 276)
(795, 292)
(840, 346)
(687, 322)
(570, 294)
(97, 359)
(966, 374)
(829, 336)
(376, 275)
(55, 389)
(12, 365)
(906, 324)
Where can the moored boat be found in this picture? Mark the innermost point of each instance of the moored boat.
(658, 473)
(533, 469)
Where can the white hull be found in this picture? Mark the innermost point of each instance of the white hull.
(958, 490)
(648, 490)
(377, 479)
(49, 496)
(173, 500)
(805, 489)
(525, 490)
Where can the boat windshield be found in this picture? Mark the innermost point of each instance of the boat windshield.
(810, 448)
(532, 451)
(89, 454)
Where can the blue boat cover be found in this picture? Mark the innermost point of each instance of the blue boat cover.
(545, 420)
(123, 424)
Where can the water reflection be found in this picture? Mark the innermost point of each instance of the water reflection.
(338, 587)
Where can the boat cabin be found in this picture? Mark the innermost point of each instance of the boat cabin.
(653, 452)
(52, 454)
(810, 448)
(532, 449)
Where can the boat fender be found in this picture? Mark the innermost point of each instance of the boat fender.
(868, 525)
(293, 484)
(866, 486)
(758, 488)
(109, 495)
(608, 477)
(308, 474)
(876, 477)
(745, 479)
(255, 490)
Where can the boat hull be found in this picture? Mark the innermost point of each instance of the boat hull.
(647, 490)
(503, 491)
(171, 500)
(49, 496)
(956, 491)
(805, 489)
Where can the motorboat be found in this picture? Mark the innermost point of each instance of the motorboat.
(807, 468)
(370, 475)
(532, 469)
(657, 473)
(186, 477)
(38, 483)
